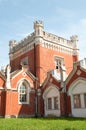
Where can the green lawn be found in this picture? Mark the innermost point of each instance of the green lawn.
(43, 124)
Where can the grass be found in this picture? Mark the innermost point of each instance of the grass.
(43, 124)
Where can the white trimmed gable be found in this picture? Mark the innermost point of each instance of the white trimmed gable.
(51, 91)
(78, 86)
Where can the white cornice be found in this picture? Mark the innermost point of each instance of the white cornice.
(22, 51)
(49, 41)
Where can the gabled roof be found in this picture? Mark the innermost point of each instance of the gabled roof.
(31, 75)
(77, 69)
(15, 73)
(50, 78)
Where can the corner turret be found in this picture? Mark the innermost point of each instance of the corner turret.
(74, 40)
(38, 27)
(12, 43)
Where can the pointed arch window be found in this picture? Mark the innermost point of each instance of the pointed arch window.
(23, 93)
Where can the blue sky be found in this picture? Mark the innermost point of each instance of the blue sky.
(61, 17)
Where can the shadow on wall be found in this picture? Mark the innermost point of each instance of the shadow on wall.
(2, 103)
(28, 110)
(31, 109)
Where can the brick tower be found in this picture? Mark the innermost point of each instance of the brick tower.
(43, 52)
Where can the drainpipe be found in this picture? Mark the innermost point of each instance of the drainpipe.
(36, 84)
(63, 89)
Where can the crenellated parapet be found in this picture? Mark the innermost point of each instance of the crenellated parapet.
(58, 40)
(38, 24)
(14, 46)
(61, 44)
(74, 40)
(45, 39)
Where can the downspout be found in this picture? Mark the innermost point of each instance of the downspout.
(63, 89)
(36, 97)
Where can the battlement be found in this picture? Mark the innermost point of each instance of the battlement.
(58, 40)
(18, 45)
(14, 46)
(43, 37)
(38, 23)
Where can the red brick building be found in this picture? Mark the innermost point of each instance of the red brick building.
(39, 79)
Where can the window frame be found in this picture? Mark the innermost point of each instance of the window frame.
(59, 61)
(58, 64)
(77, 101)
(56, 105)
(24, 61)
(23, 93)
(85, 100)
(20, 93)
(49, 103)
(52, 104)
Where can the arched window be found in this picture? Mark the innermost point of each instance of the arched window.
(23, 93)
(51, 98)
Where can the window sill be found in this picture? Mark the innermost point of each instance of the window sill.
(80, 108)
(52, 109)
(23, 103)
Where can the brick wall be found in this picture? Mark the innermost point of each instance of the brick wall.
(13, 108)
(45, 62)
(42, 61)
(15, 64)
(2, 102)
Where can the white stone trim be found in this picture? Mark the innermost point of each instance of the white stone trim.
(71, 74)
(28, 85)
(76, 82)
(52, 112)
(1, 88)
(24, 79)
(50, 86)
(78, 72)
(58, 47)
(21, 51)
(76, 89)
(47, 40)
(14, 89)
(48, 45)
(17, 74)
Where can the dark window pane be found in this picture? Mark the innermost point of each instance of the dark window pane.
(77, 102)
(55, 102)
(85, 99)
(49, 103)
(22, 93)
